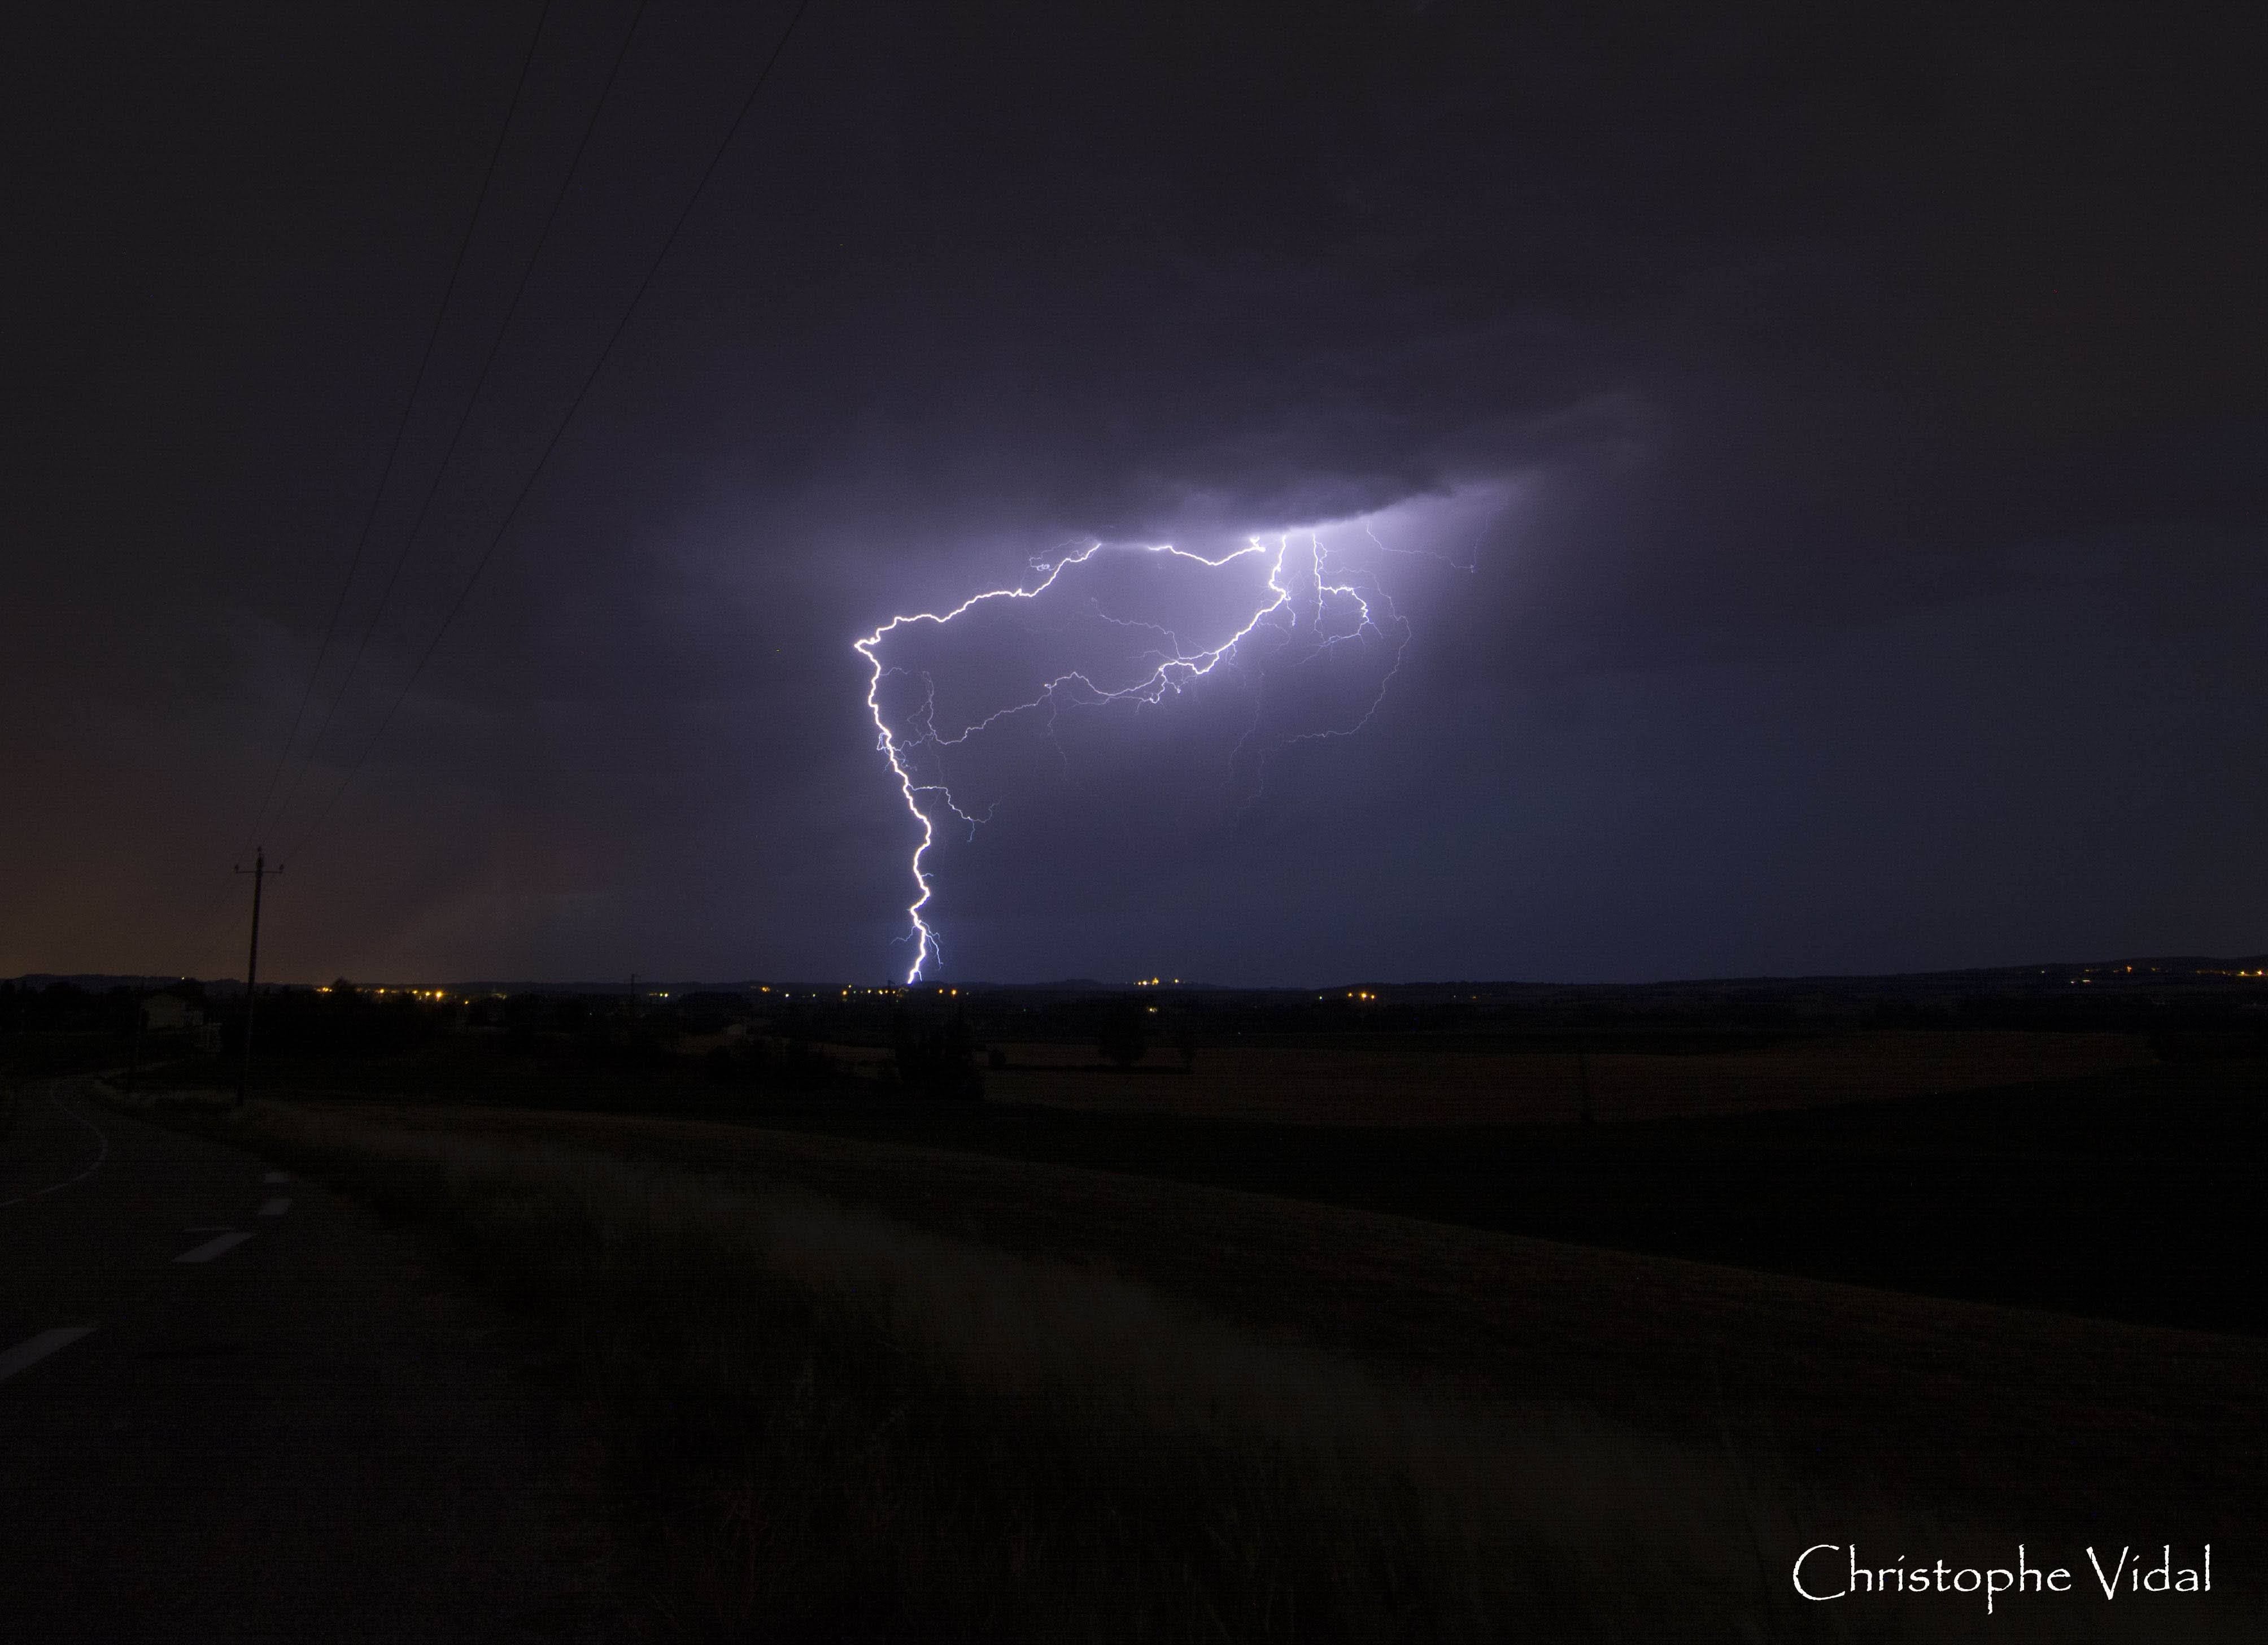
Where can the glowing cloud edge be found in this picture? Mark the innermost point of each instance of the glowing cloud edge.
(1173, 672)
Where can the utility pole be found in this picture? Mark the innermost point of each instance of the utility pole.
(258, 871)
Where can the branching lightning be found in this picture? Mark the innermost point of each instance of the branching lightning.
(1307, 611)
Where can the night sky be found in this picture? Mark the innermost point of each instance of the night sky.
(1814, 457)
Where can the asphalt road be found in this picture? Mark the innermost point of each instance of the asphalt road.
(234, 1406)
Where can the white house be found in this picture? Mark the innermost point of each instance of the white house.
(171, 1011)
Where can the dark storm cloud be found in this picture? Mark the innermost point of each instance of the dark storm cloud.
(1875, 400)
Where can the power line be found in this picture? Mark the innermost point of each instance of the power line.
(401, 425)
(534, 474)
(464, 417)
(207, 925)
(207, 922)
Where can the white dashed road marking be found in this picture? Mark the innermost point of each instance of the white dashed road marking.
(213, 1247)
(275, 1207)
(30, 1352)
(102, 1154)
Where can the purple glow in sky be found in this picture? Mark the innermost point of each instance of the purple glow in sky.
(1297, 625)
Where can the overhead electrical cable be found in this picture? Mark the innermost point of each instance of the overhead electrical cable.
(464, 417)
(201, 945)
(605, 354)
(402, 424)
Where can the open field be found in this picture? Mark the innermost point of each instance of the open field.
(2031, 1407)
(868, 1390)
(881, 1356)
(1358, 1083)
(2119, 1195)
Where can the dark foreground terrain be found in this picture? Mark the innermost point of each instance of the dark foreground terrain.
(2135, 1194)
(864, 1360)
(239, 1409)
(1857, 1389)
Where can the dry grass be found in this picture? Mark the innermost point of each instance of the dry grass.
(832, 1425)
(2022, 1408)
(1358, 1085)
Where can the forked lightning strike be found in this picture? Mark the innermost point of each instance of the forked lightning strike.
(1174, 669)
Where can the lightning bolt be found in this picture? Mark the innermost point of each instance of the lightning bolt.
(1471, 566)
(1304, 616)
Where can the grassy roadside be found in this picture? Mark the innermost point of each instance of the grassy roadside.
(2114, 1195)
(828, 1425)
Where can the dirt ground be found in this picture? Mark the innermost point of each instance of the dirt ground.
(1921, 1399)
(1359, 1085)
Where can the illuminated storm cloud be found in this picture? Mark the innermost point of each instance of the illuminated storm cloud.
(1293, 634)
